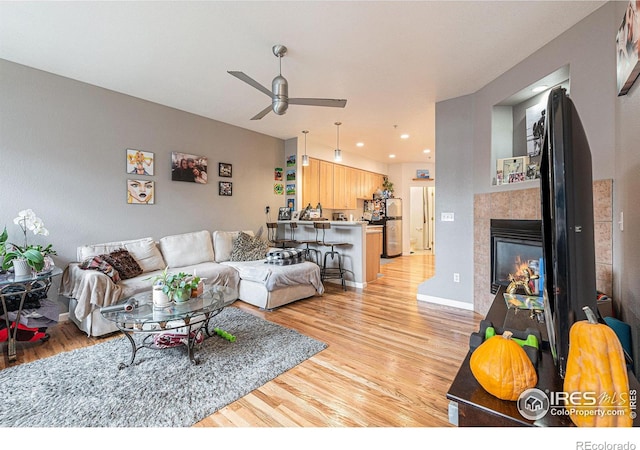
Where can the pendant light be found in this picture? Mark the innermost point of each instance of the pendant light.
(305, 158)
(337, 154)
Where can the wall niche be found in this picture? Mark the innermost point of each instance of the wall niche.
(517, 128)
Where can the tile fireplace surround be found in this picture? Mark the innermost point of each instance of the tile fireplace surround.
(525, 204)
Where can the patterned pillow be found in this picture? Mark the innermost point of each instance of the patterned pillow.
(99, 264)
(124, 263)
(248, 248)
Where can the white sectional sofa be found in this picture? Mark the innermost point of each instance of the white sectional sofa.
(203, 253)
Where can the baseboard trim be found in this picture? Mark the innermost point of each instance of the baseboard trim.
(445, 302)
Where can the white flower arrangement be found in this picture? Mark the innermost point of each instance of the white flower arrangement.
(34, 254)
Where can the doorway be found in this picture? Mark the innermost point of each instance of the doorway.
(422, 219)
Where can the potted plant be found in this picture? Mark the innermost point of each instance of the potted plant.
(27, 257)
(176, 286)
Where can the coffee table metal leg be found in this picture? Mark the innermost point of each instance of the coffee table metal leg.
(134, 349)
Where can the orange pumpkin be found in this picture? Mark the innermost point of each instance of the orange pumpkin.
(502, 367)
(596, 377)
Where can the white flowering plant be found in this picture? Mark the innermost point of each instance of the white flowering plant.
(34, 254)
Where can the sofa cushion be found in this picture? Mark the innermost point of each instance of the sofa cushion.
(187, 249)
(85, 251)
(248, 248)
(124, 263)
(147, 254)
(223, 244)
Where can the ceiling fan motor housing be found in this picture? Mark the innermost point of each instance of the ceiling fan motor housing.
(280, 89)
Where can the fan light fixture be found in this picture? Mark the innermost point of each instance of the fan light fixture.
(305, 158)
(337, 154)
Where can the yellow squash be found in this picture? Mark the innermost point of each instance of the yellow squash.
(502, 367)
(596, 379)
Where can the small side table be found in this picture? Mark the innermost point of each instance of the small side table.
(11, 287)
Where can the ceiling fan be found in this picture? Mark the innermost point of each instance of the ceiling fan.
(279, 93)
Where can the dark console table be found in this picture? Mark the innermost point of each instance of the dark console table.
(478, 408)
(20, 287)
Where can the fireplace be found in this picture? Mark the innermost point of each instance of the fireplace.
(515, 245)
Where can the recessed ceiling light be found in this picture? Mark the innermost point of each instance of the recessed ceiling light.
(540, 88)
(360, 144)
(404, 136)
(426, 150)
(392, 156)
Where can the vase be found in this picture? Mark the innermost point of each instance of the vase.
(21, 268)
(160, 299)
(181, 295)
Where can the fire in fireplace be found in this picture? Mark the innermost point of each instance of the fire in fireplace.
(516, 245)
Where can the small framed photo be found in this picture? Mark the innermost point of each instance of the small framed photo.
(225, 188)
(224, 170)
(139, 162)
(140, 192)
(295, 215)
(284, 213)
(512, 166)
(422, 174)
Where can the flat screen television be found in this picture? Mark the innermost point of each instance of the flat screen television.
(567, 223)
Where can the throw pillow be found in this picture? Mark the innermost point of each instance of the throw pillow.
(124, 263)
(248, 248)
(99, 264)
(223, 244)
(187, 249)
(147, 254)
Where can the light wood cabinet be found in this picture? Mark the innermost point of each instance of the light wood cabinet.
(311, 183)
(326, 184)
(344, 187)
(335, 186)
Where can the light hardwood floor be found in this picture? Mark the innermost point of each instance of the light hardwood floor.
(389, 363)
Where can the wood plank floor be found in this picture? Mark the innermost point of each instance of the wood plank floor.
(389, 362)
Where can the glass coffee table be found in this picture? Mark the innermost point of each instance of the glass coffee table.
(169, 326)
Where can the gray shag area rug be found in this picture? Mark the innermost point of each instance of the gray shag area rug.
(84, 388)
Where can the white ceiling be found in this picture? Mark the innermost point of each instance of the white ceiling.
(391, 60)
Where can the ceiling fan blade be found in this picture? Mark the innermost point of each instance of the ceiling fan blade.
(336, 103)
(247, 79)
(262, 113)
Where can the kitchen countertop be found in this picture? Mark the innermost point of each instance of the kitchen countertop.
(332, 222)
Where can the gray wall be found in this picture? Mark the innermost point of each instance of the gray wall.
(63, 145)
(454, 187)
(611, 126)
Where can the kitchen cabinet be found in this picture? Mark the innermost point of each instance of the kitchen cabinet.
(335, 186)
(344, 187)
(374, 249)
(311, 183)
(326, 184)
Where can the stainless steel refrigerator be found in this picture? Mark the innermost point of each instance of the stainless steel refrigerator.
(392, 236)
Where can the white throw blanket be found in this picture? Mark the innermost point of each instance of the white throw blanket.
(274, 276)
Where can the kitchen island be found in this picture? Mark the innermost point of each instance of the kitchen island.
(354, 256)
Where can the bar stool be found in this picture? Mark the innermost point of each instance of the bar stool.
(330, 272)
(293, 226)
(272, 236)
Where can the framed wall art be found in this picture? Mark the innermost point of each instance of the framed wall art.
(140, 192)
(225, 188)
(139, 162)
(511, 170)
(534, 117)
(225, 170)
(628, 48)
(188, 167)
